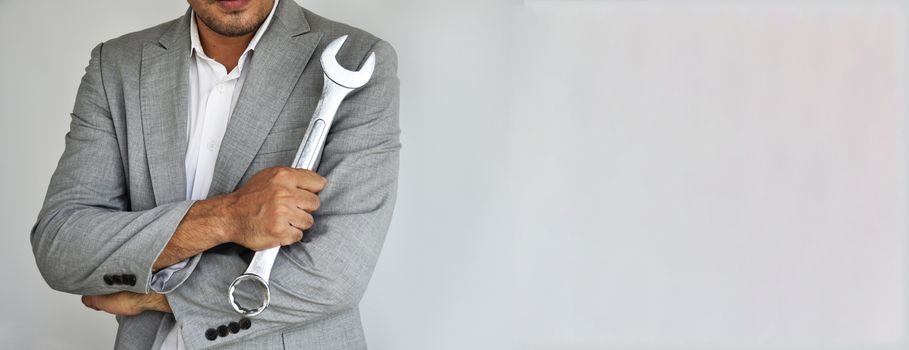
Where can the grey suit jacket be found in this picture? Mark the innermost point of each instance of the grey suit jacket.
(119, 189)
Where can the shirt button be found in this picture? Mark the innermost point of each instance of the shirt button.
(212, 146)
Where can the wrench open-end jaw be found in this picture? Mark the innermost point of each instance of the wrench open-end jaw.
(340, 75)
(338, 83)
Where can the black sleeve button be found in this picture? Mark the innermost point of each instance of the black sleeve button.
(222, 331)
(130, 279)
(117, 279)
(234, 327)
(211, 334)
(245, 323)
(108, 280)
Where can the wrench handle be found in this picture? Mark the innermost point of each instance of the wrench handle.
(308, 155)
(310, 150)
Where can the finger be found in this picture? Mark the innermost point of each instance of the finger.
(100, 303)
(121, 303)
(89, 302)
(292, 177)
(294, 236)
(305, 201)
(302, 220)
(297, 227)
(309, 180)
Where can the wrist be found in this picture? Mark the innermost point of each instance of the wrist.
(215, 219)
(156, 302)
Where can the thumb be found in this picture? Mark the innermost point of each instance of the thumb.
(89, 302)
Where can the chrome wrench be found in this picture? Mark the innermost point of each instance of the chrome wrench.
(339, 82)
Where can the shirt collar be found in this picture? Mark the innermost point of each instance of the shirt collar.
(197, 43)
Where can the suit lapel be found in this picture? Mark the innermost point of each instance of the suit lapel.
(277, 63)
(164, 99)
(276, 66)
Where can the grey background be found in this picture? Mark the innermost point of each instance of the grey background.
(575, 174)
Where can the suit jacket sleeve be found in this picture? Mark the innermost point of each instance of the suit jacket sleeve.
(328, 274)
(86, 240)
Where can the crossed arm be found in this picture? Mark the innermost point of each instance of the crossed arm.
(272, 209)
(87, 231)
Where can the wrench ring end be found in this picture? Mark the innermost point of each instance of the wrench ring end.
(233, 288)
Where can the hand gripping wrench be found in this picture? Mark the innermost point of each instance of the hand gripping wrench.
(339, 82)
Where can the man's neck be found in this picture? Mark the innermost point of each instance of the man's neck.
(224, 49)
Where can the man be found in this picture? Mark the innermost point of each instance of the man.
(172, 177)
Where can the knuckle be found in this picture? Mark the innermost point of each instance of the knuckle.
(277, 227)
(298, 237)
(275, 211)
(280, 192)
(308, 220)
(286, 239)
(264, 173)
(319, 182)
(306, 203)
(315, 180)
(280, 173)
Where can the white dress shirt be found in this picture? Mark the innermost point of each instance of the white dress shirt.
(213, 93)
